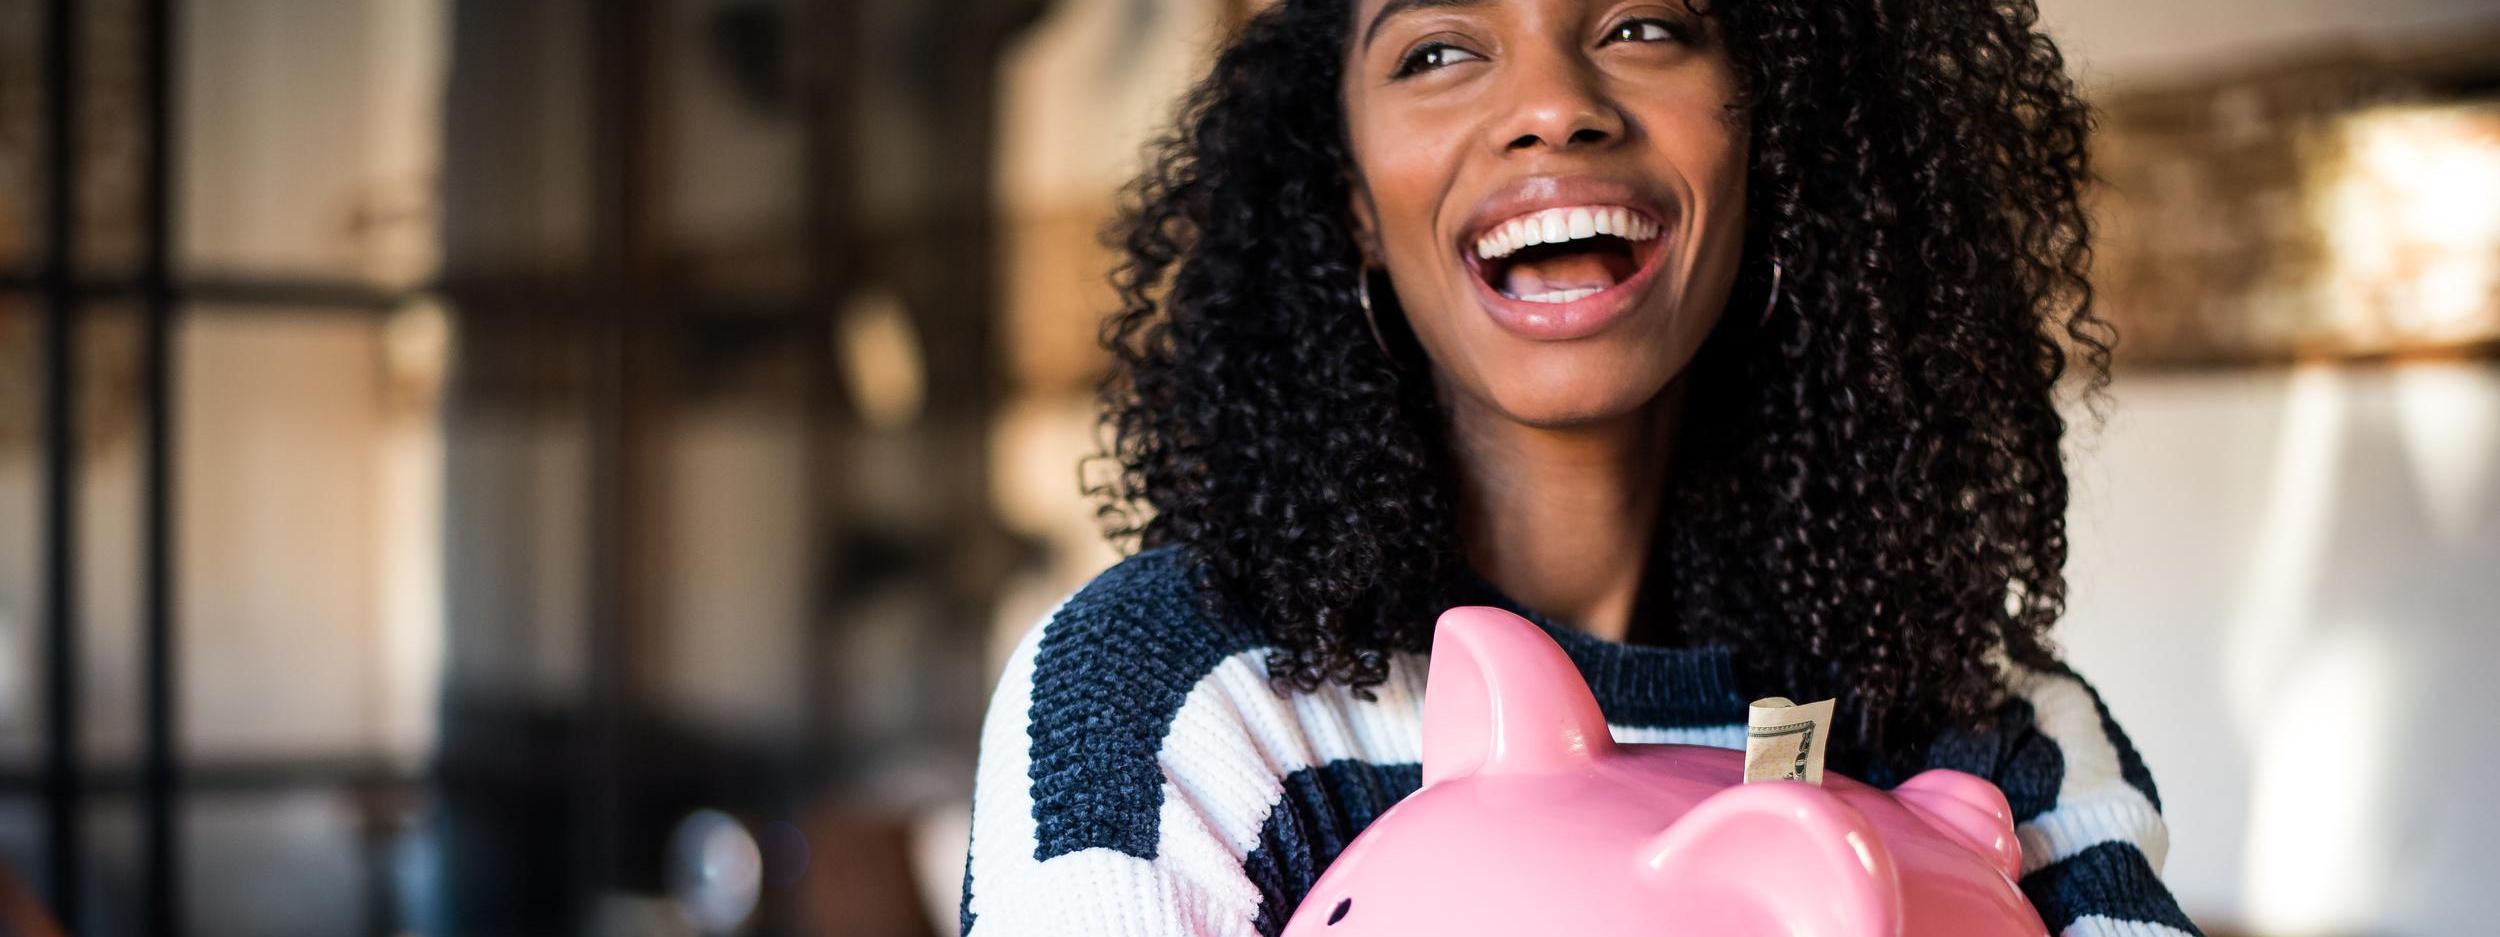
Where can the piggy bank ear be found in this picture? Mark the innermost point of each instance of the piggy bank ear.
(1503, 697)
(1968, 809)
(1778, 857)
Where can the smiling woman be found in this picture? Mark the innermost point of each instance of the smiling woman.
(1524, 122)
(1425, 303)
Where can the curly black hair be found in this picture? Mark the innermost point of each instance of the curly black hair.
(1868, 500)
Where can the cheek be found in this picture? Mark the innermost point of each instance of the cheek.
(1407, 181)
(1409, 158)
(1433, 291)
(1715, 161)
(1703, 141)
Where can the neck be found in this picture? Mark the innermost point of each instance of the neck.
(1561, 518)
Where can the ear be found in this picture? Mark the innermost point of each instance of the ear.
(1503, 697)
(1968, 809)
(1777, 856)
(1366, 220)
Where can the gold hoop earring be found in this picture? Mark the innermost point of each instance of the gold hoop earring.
(1363, 298)
(1771, 302)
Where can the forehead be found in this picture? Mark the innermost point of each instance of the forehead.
(1369, 15)
(1371, 11)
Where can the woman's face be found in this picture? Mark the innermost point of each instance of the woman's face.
(1556, 188)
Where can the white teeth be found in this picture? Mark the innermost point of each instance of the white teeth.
(1562, 296)
(1556, 225)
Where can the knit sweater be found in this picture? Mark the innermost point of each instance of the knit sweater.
(1138, 775)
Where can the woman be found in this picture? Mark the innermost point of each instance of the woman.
(1721, 340)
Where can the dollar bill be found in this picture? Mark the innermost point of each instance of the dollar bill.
(1784, 741)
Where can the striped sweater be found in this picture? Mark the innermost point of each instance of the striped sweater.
(1138, 776)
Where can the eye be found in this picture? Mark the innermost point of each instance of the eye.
(1339, 913)
(1646, 29)
(1432, 55)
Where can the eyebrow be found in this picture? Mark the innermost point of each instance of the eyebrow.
(1395, 7)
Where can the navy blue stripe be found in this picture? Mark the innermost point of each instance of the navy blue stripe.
(1109, 675)
(1322, 809)
(2011, 751)
(963, 908)
(2111, 880)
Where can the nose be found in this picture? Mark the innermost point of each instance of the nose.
(1555, 102)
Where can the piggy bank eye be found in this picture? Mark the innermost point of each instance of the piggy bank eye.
(1342, 908)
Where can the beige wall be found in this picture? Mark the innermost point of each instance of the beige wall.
(2283, 577)
(2284, 585)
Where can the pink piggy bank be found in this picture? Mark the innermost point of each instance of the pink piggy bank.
(1533, 820)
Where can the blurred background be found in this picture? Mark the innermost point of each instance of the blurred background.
(529, 467)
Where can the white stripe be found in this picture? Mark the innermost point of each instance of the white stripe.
(2094, 925)
(1234, 742)
(1003, 829)
(2095, 804)
(1100, 891)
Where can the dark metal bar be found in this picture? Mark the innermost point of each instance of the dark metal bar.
(298, 293)
(233, 777)
(159, 764)
(63, 841)
(828, 41)
(618, 56)
(230, 291)
(211, 295)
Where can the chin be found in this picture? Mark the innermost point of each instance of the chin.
(1567, 388)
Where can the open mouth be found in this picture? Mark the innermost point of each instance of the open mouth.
(1561, 255)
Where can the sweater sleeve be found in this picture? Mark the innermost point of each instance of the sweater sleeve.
(2085, 809)
(1064, 841)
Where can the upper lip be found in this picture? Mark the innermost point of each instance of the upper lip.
(1537, 193)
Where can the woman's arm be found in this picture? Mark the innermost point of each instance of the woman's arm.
(2084, 806)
